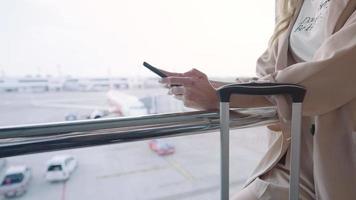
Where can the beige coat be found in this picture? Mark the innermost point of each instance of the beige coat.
(328, 167)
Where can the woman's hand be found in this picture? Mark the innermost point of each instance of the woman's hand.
(193, 88)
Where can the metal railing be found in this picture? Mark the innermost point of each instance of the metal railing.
(29, 139)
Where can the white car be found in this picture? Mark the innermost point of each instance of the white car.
(59, 168)
(15, 181)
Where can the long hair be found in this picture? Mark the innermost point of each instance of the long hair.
(285, 9)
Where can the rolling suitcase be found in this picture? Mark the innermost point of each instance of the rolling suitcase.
(297, 94)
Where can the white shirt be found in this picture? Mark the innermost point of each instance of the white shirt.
(308, 32)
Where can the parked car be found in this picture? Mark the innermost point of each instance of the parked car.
(15, 181)
(96, 114)
(60, 168)
(71, 117)
(161, 147)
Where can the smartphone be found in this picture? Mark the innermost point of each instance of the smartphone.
(154, 70)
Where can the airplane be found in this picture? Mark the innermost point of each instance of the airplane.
(123, 104)
(120, 104)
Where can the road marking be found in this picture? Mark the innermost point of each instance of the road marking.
(64, 191)
(130, 172)
(172, 163)
(185, 173)
(197, 192)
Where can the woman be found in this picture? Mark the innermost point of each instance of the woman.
(314, 45)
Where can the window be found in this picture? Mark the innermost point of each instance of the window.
(64, 60)
(59, 59)
(13, 179)
(55, 168)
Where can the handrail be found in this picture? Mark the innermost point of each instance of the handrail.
(28, 139)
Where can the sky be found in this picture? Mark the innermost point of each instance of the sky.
(113, 37)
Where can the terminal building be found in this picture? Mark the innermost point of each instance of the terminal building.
(47, 84)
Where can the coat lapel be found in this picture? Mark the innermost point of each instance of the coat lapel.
(340, 11)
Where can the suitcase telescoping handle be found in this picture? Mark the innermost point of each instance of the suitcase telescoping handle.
(296, 92)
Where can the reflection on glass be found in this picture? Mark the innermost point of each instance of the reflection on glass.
(76, 60)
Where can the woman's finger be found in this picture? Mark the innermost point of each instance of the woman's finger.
(181, 81)
(177, 90)
(179, 97)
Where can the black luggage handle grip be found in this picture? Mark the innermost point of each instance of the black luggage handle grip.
(297, 92)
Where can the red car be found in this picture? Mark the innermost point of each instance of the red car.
(160, 147)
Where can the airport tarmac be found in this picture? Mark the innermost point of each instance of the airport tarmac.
(129, 171)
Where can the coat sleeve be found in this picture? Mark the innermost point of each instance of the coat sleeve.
(330, 78)
(266, 62)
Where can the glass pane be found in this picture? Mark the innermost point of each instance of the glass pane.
(40, 107)
(77, 59)
(137, 170)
